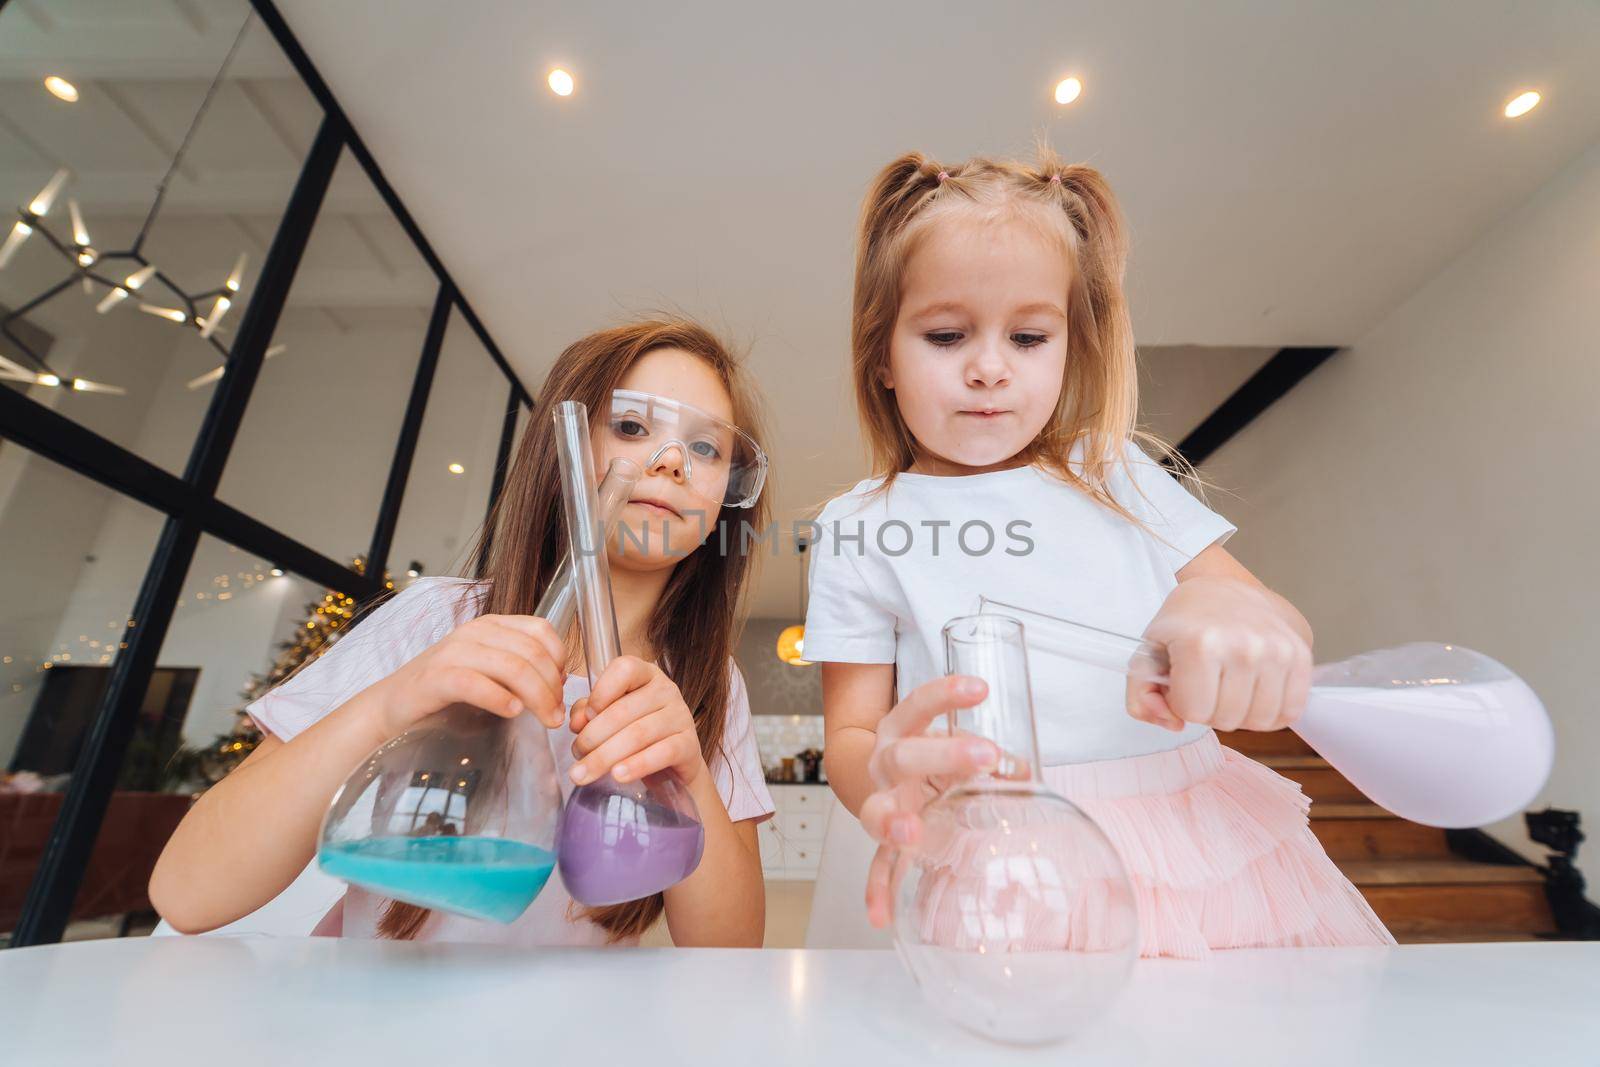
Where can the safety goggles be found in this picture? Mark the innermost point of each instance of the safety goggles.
(721, 462)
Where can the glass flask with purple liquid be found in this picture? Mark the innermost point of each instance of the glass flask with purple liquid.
(618, 841)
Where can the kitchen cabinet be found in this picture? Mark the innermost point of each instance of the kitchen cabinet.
(791, 841)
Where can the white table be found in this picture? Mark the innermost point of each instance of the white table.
(289, 1002)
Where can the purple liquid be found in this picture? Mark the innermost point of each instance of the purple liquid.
(614, 848)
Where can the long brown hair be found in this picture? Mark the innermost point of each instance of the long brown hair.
(694, 626)
(1099, 400)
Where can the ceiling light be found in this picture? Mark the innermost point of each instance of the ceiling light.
(456, 468)
(1521, 104)
(61, 89)
(84, 385)
(1067, 90)
(560, 82)
(48, 379)
(139, 277)
(47, 196)
(236, 275)
(166, 313)
(215, 373)
(277, 572)
(80, 232)
(219, 309)
(19, 233)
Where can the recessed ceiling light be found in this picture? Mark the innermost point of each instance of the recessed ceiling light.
(561, 82)
(277, 572)
(1067, 90)
(61, 88)
(456, 468)
(1522, 103)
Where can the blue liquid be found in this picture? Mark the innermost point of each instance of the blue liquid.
(480, 877)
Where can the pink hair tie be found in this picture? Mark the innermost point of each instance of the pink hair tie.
(1055, 179)
(942, 177)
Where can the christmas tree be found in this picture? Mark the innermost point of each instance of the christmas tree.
(325, 620)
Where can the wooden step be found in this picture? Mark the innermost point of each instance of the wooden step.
(1442, 900)
(1406, 871)
(1316, 779)
(1465, 935)
(1438, 872)
(1255, 744)
(1376, 837)
(1349, 810)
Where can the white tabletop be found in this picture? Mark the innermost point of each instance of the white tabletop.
(285, 1001)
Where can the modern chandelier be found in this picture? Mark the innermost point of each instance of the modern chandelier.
(119, 275)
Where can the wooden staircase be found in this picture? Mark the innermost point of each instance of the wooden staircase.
(1419, 888)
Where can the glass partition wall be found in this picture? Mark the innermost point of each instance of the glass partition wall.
(228, 359)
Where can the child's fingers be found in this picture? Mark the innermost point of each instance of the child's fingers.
(532, 652)
(880, 898)
(533, 627)
(623, 675)
(607, 722)
(1196, 676)
(890, 817)
(1147, 704)
(1152, 708)
(578, 715)
(507, 670)
(1296, 687)
(463, 685)
(674, 751)
(1234, 693)
(1266, 699)
(927, 757)
(930, 700)
(632, 739)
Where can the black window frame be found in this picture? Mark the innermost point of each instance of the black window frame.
(190, 504)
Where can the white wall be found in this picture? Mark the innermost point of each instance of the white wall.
(1179, 385)
(1437, 481)
(776, 688)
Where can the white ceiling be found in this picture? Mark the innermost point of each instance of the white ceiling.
(1291, 170)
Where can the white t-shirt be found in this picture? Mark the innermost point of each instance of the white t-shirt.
(417, 618)
(890, 569)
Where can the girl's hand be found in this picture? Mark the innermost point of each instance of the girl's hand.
(1237, 662)
(910, 770)
(505, 664)
(634, 724)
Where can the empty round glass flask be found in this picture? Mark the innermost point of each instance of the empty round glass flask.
(1014, 913)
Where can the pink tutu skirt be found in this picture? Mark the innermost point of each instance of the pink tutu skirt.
(1220, 852)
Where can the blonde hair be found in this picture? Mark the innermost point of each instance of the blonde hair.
(1099, 400)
